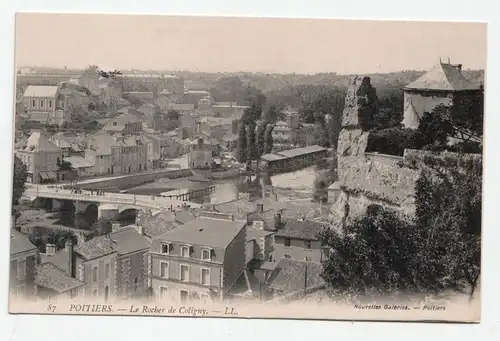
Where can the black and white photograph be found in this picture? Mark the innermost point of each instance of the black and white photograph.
(241, 167)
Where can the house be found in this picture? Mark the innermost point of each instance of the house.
(41, 157)
(200, 260)
(56, 278)
(70, 145)
(298, 240)
(228, 110)
(80, 165)
(230, 141)
(103, 152)
(44, 104)
(200, 154)
(282, 132)
(161, 222)
(294, 278)
(194, 96)
(295, 158)
(444, 85)
(125, 124)
(292, 118)
(112, 266)
(333, 192)
(24, 257)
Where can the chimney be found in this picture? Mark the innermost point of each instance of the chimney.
(277, 220)
(50, 249)
(115, 227)
(260, 208)
(69, 250)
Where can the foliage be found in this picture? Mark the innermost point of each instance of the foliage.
(252, 148)
(241, 147)
(59, 238)
(173, 115)
(64, 165)
(394, 141)
(436, 128)
(440, 250)
(101, 227)
(19, 181)
(268, 139)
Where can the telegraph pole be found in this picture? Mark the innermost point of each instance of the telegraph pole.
(305, 282)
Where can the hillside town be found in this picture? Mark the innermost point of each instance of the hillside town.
(121, 182)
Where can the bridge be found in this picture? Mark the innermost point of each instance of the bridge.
(85, 199)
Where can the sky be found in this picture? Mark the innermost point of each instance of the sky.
(223, 44)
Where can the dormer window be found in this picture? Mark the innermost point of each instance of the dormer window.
(185, 251)
(206, 254)
(166, 248)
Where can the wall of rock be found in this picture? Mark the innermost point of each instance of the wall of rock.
(371, 178)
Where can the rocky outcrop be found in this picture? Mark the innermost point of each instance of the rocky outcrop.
(372, 178)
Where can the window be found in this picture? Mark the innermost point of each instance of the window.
(165, 248)
(206, 254)
(184, 295)
(308, 244)
(205, 276)
(94, 274)
(50, 103)
(287, 256)
(33, 103)
(184, 270)
(21, 269)
(288, 242)
(163, 269)
(106, 271)
(115, 124)
(204, 298)
(307, 259)
(163, 292)
(185, 251)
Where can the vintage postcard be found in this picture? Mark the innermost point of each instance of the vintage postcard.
(247, 167)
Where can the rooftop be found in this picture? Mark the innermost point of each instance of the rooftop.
(300, 229)
(20, 243)
(301, 151)
(218, 233)
(78, 162)
(290, 275)
(443, 77)
(49, 276)
(37, 142)
(41, 91)
(124, 241)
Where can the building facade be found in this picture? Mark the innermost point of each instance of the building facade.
(200, 260)
(443, 85)
(44, 104)
(41, 157)
(200, 155)
(24, 257)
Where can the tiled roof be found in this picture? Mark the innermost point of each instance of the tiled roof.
(49, 276)
(20, 243)
(183, 217)
(124, 241)
(244, 206)
(78, 162)
(272, 157)
(445, 77)
(305, 229)
(39, 143)
(230, 137)
(206, 232)
(254, 233)
(290, 275)
(40, 91)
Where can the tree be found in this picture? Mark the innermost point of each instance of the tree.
(440, 250)
(101, 227)
(323, 179)
(394, 141)
(268, 139)
(252, 148)
(19, 182)
(173, 115)
(370, 257)
(435, 128)
(60, 237)
(241, 147)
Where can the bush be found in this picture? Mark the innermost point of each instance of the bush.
(394, 141)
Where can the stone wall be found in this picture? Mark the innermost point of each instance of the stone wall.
(371, 178)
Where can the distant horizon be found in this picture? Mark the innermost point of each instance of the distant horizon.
(245, 44)
(241, 71)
